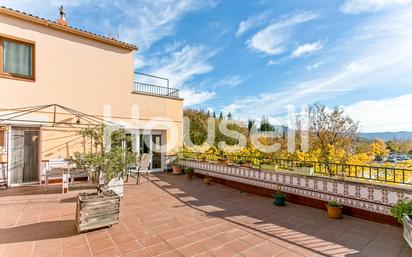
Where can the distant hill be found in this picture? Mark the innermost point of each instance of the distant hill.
(387, 135)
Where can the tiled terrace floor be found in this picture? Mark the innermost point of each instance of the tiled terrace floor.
(172, 216)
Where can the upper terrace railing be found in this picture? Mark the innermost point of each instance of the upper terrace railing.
(152, 89)
(376, 173)
(155, 90)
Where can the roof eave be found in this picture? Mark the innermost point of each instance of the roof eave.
(54, 25)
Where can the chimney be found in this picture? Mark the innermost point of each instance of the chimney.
(62, 20)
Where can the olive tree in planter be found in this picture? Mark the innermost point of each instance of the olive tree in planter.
(101, 208)
(402, 211)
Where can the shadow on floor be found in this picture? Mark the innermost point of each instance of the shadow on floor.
(41, 189)
(306, 228)
(38, 231)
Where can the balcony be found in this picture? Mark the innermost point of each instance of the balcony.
(148, 84)
(173, 216)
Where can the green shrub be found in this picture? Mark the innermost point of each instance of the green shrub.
(240, 161)
(222, 158)
(175, 161)
(334, 204)
(189, 170)
(400, 208)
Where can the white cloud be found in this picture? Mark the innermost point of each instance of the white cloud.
(251, 22)
(232, 108)
(316, 65)
(210, 109)
(272, 62)
(231, 81)
(306, 48)
(181, 66)
(194, 97)
(146, 22)
(272, 39)
(376, 62)
(360, 6)
(383, 115)
(141, 22)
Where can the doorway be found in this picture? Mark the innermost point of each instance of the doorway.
(24, 155)
(152, 144)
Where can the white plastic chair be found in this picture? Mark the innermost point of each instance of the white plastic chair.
(142, 167)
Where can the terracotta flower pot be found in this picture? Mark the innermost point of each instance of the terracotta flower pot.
(177, 170)
(222, 161)
(189, 175)
(334, 212)
(245, 165)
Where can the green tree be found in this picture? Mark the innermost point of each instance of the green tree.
(265, 124)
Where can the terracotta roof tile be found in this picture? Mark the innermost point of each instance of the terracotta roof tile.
(55, 25)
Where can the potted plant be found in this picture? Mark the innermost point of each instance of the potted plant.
(279, 198)
(177, 169)
(101, 208)
(242, 163)
(207, 179)
(402, 212)
(334, 210)
(189, 172)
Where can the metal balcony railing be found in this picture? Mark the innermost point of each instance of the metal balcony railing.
(152, 89)
(395, 175)
(144, 88)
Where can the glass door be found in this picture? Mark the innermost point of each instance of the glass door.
(156, 152)
(152, 144)
(24, 165)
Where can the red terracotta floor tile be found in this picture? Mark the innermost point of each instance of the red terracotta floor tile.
(130, 246)
(76, 251)
(150, 240)
(138, 253)
(153, 221)
(108, 252)
(179, 241)
(159, 248)
(74, 241)
(47, 250)
(191, 249)
(100, 244)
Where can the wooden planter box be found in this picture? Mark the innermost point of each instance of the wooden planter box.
(407, 229)
(95, 212)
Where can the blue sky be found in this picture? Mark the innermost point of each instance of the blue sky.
(255, 58)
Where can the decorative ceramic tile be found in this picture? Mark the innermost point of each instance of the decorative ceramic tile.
(371, 197)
